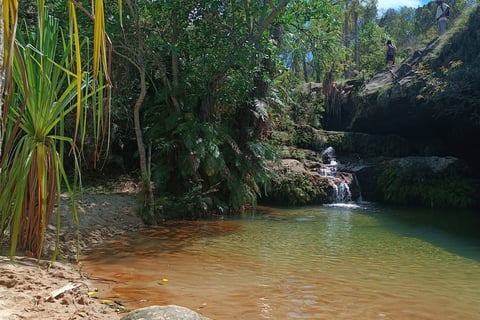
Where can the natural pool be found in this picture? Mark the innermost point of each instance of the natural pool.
(336, 262)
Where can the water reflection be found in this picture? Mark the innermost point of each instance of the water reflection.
(337, 232)
(303, 263)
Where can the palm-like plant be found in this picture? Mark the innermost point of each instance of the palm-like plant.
(42, 93)
(32, 162)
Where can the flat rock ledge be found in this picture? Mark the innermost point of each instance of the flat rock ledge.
(170, 312)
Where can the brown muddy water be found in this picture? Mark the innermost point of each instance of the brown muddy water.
(356, 262)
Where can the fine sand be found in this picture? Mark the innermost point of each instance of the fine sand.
(31, 289)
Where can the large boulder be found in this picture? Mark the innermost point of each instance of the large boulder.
(170, 312)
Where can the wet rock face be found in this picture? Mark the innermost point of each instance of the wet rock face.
(170, 312)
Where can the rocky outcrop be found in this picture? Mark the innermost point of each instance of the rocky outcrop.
(170, 312)
(409, 135)
(308, 182)
(357, 143)
(376, 168)
(423, 181)
(431, 99)
(294, 183)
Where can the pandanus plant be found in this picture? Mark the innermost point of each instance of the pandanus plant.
(42, 95)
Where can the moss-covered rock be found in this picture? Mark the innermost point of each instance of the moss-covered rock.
(440, 182)
(360, 144)
(293, 184)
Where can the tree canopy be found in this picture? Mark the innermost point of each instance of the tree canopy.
(190, 91)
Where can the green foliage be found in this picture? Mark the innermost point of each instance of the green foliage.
(199, 169)
(306, 137)
(372, 42)
(383, 94)
(32, 167)
(311, 42)
(292, 107)
(307, 110)
(282, 97)
(419, 185)
(210, 66)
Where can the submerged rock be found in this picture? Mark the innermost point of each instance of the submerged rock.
(170, 312)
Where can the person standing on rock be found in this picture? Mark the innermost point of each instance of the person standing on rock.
(443, 11)
(391, 51)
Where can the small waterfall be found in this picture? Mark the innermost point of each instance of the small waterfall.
(337, 180)
(327, 170)
(341, 190)
(357, 184)
(343, 194)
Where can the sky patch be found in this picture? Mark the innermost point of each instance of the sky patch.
(383, 5)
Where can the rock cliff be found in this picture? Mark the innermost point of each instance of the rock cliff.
(431, 99)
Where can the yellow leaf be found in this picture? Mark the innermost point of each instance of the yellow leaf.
(165, 280)
(106, 301)
(91, 293)
(211, 171)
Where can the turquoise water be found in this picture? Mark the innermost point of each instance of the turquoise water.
(358, 262)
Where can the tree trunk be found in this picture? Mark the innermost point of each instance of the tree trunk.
(147, 186)
(346, 26)
(356, 53)
(148, 200)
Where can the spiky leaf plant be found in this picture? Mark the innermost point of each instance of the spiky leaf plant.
(32, 170)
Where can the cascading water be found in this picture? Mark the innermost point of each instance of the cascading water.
(342, 193)
(327, 171)
(341, 190)
(357, 184)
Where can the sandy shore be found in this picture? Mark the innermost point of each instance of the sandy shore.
(59, 290)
